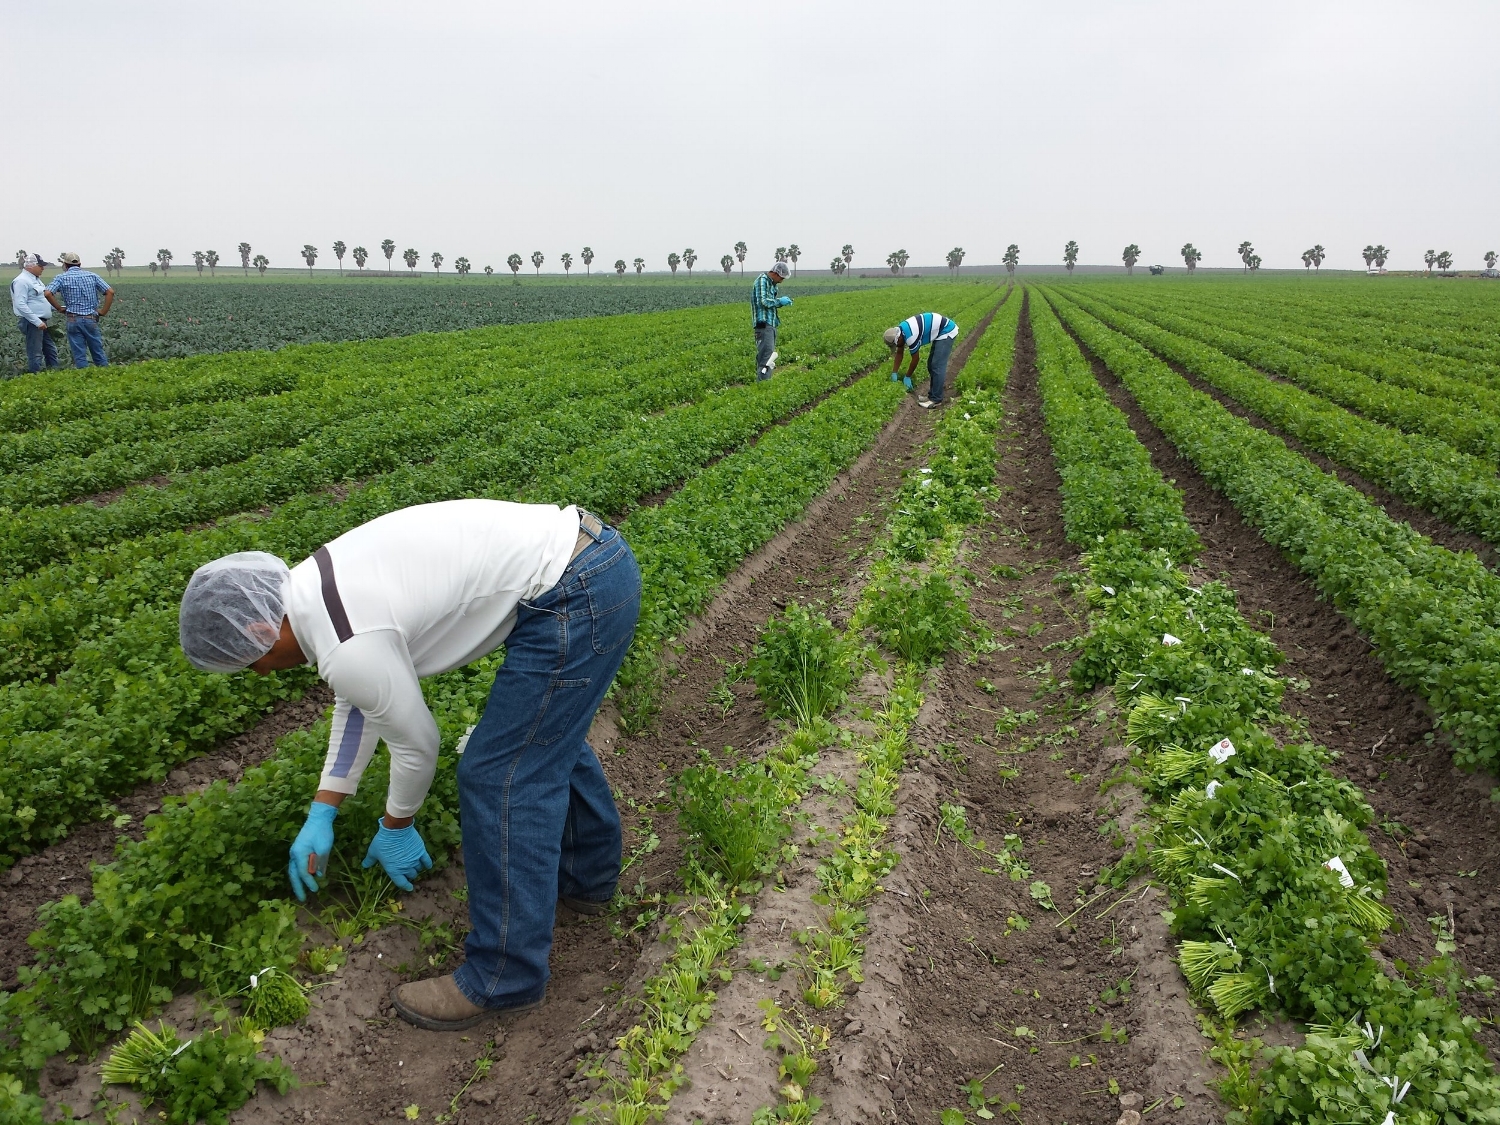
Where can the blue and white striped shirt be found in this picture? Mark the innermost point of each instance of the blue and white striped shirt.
(926, 328)
(80, 290)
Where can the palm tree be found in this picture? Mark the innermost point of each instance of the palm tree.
(838, 266)
(1012, 258)
(515, 263)
(119, 256)
(309, 255)
(260, 263)
(640, 264)
(1490, 258)
(1318, 254)
(1444, 262)
(199, 257)
(1244, 252)
(1307, 257)
(567, 264)
(893, 259)
(955, 259)
(1130, 256)
(847, 253)
(489, 271)
(689, 257)
(1070, 256)
(213, 260)
(410, 256)
(536, 260)
(165, 258)
(462, 266)
(1191, 256)
(338, 252)
(727, 263)
(588, 261)
(781, 253)
(1254, 263)
(1381, 254)
(793, 252)
(673, 261)
(740, 250)
(153, 266)
(1369, 254)
(437, 262)
(245, 257)
(902, 257)
(619, 267)
(1429, 258)
(388, 248)
(361, 255)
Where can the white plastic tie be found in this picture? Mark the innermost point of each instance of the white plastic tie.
(1210, 789)
(1110, 590)
(1221, 751)
(1232, 875)
(1337, 865)
(1168, 639)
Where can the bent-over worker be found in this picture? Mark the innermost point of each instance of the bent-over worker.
(765, 304)
(925, 330)
(421, 591)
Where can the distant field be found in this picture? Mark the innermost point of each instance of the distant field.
(156, 319)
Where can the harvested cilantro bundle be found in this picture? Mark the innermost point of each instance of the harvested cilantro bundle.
(203, 1079)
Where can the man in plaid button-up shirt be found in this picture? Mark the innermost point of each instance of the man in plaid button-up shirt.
(81, 290)
(764, 303)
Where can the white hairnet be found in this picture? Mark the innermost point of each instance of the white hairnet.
(232, 611)
(891, 336)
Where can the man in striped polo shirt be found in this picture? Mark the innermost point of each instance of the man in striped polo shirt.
(80, 291)
(925, 330)
(764, 303)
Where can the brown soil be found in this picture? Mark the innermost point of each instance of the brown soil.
(1446, 852)
(64, 868)
(981, 993)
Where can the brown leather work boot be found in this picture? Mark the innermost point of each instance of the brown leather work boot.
(437, 1004)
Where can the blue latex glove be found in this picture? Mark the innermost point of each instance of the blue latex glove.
(907, 381)
(895, 376)
(783, 302)
(401, 852)
(310, 849)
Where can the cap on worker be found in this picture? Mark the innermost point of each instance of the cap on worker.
(34, 260)
(781, 269)
(232, 611)
(891, 336)
(70, 258)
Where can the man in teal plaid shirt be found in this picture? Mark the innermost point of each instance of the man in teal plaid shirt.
(764, 303)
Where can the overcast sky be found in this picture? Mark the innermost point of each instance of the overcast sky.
(481, 128)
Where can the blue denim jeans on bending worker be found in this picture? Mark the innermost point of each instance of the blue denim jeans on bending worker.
(85, 340)
(937, 367)
(40, 350)
(537, 813)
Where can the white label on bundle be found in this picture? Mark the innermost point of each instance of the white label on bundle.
(1210, 789)
(1221, 751)
(1337, 865)
(1168, 639)
(1110, 590)
(463, 743)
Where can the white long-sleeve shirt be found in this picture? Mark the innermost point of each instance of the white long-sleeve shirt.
(28, 299)
(411, 594)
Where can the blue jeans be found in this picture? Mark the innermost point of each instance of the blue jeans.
(537, 813)
(937, 367)
(40, 350)
(765, 344)
(84, 341)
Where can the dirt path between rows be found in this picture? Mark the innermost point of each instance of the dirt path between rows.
(1446, 852)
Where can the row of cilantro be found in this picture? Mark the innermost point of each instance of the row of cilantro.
(96, 455)
(1421, 470)
(1243, 841)
(160, 320)
(401, 428)
(128, 707)
(677, 1000)
(45, 613)
(209, 873)
(1423, 409)
(1291, 328)
(1431, 613)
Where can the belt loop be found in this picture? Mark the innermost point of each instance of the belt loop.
(591, 525)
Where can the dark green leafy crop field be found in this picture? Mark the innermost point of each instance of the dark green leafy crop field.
(169, 320)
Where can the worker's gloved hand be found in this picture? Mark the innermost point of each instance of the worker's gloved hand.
(783, 302)
(401, 852)
(309, 854)
(907, 382)
(895, 376)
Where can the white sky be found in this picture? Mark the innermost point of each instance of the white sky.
(650, 125)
